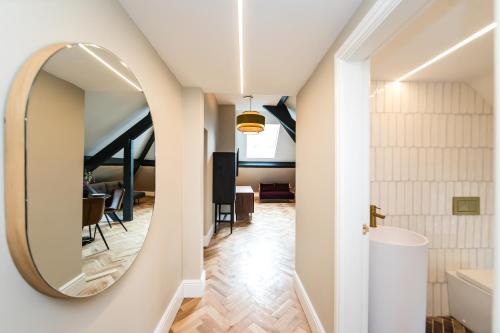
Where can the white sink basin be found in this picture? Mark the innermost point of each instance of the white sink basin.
(398, 281)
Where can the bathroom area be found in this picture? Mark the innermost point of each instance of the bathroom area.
(431, 173)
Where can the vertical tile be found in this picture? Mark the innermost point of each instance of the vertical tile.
(430, 303)
(459, 130)
(400, 119)
(379, 163)
(475, 131)
(374, 193)
(487, 164)
(384, 130)
(403, 222)
(396, 164)
(400, 198)
(445, 232)
(467, 131)
(391, 204)
(375, 129)
(455, 97)
(464, 259)
(473, 259)
(410, 129)
(388, 98)
(417, 130)
(453, 172)
(429, 164)
(445, 310)
(413, 97)
(477, 223)
(434, 198)
(461, 232)
(429, 230)
(442, 130)
(426, 130)
(450, 130)
(434, 130)
(437, 299)
(413, 164)
(478, 104)
(441, 198)
(396, 98)
(447, 97)
(422, 164)
(469, 232)
(426, 209)
(490, 204)
(422, 96)
(432, 265)
(463, 98)
(408, 192)
(437, 232)
(438, 164)
(453, 240)
(405, 161)
(471, 156)
(383, 194)
(420, 224)
(485, 231)
(404, 97)
(417, 198)
(412, 223)
(441, 278)
(387, 164)
(462, 164)
(380, 97)
(438, 97)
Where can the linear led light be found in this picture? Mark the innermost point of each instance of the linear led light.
(240, 42)
(452, 49)
(111, 68)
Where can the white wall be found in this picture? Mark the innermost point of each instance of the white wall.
(226, 130)
(211, 125)
(432, 141)
(192, 191)
(137, 301)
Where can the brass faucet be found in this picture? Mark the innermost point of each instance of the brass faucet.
(374, 215)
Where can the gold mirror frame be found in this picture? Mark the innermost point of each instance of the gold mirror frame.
(15, 171)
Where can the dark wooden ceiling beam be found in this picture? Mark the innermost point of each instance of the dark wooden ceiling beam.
(144, 152)
(114, 147)
(281, 112)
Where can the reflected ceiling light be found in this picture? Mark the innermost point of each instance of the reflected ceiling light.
(250, 122)
(111, 68)
(240, 41)
(452, 49)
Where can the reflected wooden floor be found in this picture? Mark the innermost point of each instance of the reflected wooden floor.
(444, 325)
(102, 267)
(249, 285)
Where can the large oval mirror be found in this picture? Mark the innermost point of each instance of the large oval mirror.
(89, 171)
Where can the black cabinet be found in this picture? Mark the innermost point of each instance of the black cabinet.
(224, 187)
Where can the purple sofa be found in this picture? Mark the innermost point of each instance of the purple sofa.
(275, 191)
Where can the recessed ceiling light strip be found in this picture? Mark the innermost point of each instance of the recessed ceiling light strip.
(240, 42)
(452, 49)
(111, 68)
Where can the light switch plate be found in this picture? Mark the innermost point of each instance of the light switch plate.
(466, 206)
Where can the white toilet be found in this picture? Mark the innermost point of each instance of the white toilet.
(470, 295)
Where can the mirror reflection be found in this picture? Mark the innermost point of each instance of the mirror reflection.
(90, 171)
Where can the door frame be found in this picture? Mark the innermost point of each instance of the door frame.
(352, 156)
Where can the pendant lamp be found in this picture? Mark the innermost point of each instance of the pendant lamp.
(250, 122)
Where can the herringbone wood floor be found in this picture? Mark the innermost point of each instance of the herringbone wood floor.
(249, 285)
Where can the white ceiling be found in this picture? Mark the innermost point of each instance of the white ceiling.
(283, 40)
(441, 25)
(81, 69)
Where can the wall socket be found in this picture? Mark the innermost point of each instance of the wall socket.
(466, 206)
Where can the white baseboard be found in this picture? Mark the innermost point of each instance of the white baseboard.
(168, 317)
(195, 288)
(208, 236)
(74, 286)
(307, 306)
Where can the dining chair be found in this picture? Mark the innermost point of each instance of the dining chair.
(116, 204)
(92, 212)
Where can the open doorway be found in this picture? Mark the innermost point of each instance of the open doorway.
(431, 154)
(432, 161)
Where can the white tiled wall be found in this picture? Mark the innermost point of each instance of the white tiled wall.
(429, 142)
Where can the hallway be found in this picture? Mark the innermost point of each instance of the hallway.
(249, 286)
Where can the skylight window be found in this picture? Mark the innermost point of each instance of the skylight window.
(263, 145)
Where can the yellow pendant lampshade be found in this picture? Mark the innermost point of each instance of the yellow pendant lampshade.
(250, 122)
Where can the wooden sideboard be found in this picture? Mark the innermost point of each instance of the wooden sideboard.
(244, 202)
